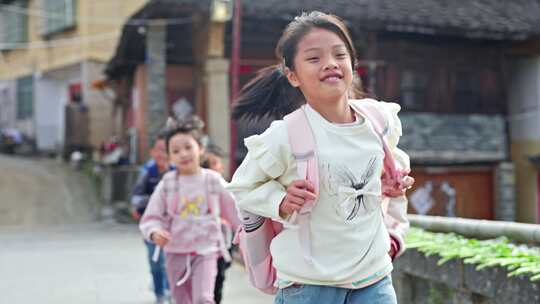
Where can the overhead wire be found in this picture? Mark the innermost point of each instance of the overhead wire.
(96, 20)
(46, 44)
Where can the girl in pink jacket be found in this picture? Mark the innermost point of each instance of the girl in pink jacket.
(185, 214)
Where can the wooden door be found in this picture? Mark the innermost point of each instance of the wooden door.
(461, 192)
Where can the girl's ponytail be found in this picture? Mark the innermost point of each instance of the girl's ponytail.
(268, 94)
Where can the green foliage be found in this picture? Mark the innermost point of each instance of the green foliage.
(439, 294)
(518, 260)
(435, 297)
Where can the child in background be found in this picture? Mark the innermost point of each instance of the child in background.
(149, 177)
(213, 160)
(351, 247)
(184, 216)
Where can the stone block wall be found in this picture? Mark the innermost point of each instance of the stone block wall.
(419, 280)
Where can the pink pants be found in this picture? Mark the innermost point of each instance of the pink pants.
(199, 286)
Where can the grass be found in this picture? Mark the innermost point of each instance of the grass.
(517, 259)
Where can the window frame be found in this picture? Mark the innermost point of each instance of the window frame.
(14, 28)
(25, 97)
(54, 20)
(418, 88)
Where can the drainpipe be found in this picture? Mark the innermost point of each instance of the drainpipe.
(235, 75)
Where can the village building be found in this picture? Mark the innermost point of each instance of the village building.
(465, 73)
(51, 51)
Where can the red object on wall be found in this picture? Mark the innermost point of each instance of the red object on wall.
(75, 93)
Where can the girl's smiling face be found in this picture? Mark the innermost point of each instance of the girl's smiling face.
(185, 153)
(322, 67)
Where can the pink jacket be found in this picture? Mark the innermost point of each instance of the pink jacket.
(192, 209)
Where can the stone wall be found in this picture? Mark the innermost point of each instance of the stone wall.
(505, 192)
(443, 139)
(419, 280)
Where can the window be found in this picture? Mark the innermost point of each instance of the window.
(13, 24)
(25, 97)
(467, 91)
(413, 90)
(58, 16)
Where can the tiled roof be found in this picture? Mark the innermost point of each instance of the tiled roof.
(499, 19)
(482, 19)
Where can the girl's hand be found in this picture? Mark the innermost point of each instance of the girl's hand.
(160, 237)
(298, 193)
(399, 190)
(394, 248)
(407, 182)
(135, 214)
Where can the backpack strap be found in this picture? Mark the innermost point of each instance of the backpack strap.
(393, 177)
(368, 109)
(215, 210)
(302, 141)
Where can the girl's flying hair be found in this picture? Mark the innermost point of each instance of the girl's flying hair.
(192, 126)
(269, 94)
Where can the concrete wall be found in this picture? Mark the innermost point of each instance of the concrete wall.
(51, 95)
(50, 98)
(100, 108)
(524, 120)
(418, 279)
(51, 90)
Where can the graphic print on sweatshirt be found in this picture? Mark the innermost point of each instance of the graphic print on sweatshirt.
(192, 207)
(350, 191)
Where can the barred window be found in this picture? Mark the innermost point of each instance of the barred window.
(13, 24)
(467, 91)
(413, 90)
(25, 97)
(58, 16)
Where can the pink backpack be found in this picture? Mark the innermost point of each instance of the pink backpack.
(255, 245)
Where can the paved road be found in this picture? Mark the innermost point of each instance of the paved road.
(90, 263)
(53, 251)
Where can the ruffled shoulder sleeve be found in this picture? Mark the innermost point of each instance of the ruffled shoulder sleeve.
(271, 149)
(393, 130)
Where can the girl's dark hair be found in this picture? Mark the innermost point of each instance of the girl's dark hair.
(269, 92)
(192, 126)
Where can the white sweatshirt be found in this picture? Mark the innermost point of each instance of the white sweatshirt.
(350, 241)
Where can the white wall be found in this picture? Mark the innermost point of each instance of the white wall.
(50, 96)
(524, 99)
